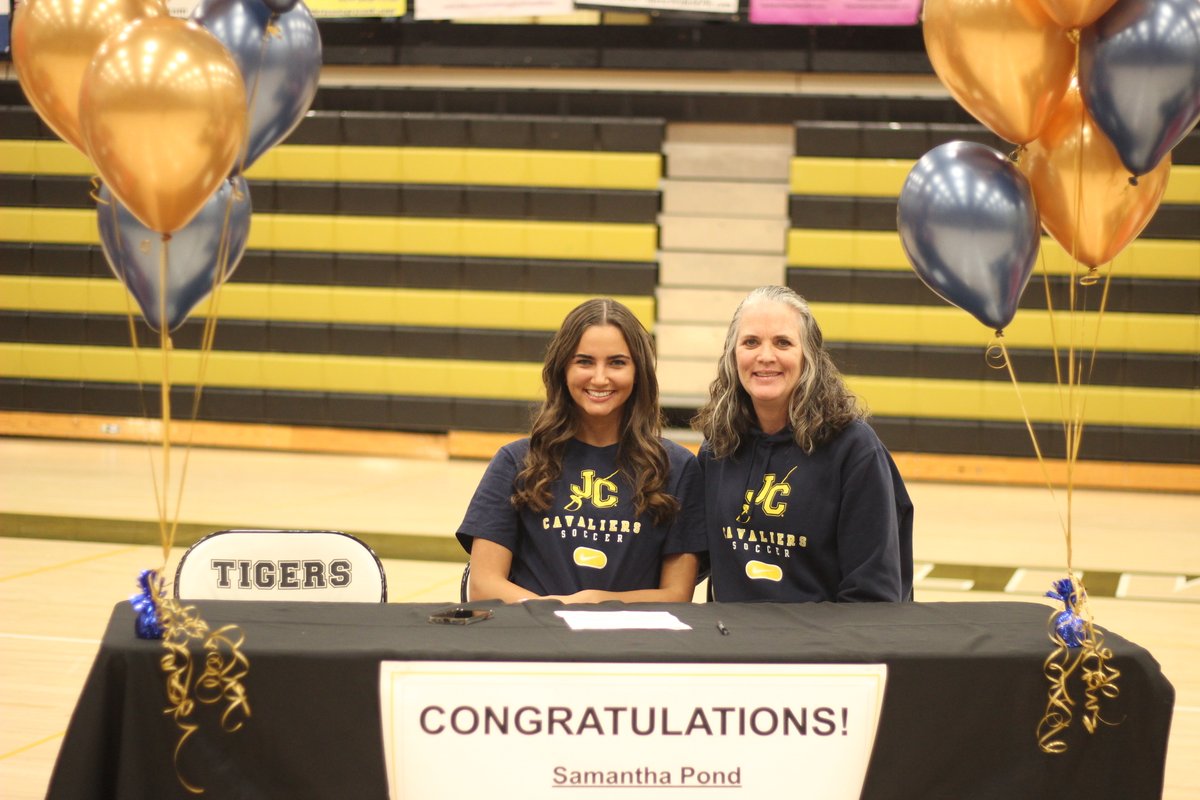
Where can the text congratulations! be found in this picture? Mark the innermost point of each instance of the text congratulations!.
(468, 720)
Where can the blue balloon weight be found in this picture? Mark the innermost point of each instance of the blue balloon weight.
(193, 255)
(1139, 73)
(969, 226)
(280, 59)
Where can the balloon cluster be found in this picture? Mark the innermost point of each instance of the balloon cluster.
(170, 112)
(1095, 93)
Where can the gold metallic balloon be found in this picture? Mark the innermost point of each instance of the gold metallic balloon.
(52, 43)
(1076, 13)
(163, 114)
(1004, 61)
(1082, 189)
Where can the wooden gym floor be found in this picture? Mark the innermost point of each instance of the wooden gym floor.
(77, 525)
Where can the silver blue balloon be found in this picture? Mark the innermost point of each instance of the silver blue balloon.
(969, 226)
(280, 59)
(1139, 73)
(195, 253)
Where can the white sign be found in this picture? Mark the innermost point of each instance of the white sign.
(560, 730)
(323, 566)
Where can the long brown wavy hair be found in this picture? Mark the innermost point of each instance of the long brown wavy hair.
(640, 454)
(820, 406)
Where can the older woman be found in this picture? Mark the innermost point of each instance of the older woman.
(803, 502)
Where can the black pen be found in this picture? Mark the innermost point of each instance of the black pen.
(721, 627)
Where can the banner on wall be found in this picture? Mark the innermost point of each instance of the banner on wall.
(330, 9)
(835, 12)
(728, 7)
(357, 8)
(559, 730)
(489, 9)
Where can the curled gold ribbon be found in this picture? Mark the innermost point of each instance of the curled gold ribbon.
(1091, 659)
(225, 665)
(1099, 678)
(1058, 667)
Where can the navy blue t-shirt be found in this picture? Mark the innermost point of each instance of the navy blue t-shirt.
(589, 537)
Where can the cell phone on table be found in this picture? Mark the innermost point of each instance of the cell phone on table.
(460, 616)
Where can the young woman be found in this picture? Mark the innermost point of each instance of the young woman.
(803, 501)
(594, 505)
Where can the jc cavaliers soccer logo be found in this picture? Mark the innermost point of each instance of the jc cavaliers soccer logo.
(599, 492)
(768, 497)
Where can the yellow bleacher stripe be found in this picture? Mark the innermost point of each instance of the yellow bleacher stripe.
(848, 177)
(923, 398)
(884, 177)
(997, 401)
(881, 250)
(438, 308)
(1184, 184)
(279, 371)
(1031, 328)
(42, 157)
(593, 241)
(482, 166)
(441, 308)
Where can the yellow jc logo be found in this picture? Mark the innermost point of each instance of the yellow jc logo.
(767, 497)
(600, 492)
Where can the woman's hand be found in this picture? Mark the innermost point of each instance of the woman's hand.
(582, 596)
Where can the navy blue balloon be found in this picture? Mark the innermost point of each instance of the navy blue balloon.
(1139, 74)
(193, 253)
(969, 226)
(280, 6)
(280, 66)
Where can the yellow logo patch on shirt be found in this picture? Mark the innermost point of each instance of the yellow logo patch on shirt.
(587, 557)
(759, 571)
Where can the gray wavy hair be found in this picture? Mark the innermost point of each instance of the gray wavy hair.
(820, 406)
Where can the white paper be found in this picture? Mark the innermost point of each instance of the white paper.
(622, 620)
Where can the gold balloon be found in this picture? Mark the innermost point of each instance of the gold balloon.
(1076, 13)
(1004, 61)
(1082, 189)
(163, 114)
(52, 43)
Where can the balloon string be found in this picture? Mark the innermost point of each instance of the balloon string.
(164, 341)
(1012, 374)
(118, 265)
(206, 345)
(1073, 410)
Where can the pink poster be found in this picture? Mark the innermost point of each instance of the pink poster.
(835, 12)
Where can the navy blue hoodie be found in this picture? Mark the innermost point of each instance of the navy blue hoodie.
(784, 525)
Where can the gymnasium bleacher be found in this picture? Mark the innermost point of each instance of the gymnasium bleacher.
(412, 248)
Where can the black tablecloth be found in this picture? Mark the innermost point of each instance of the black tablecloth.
(964, 695)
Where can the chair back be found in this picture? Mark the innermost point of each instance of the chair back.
(281, 565)
(904, 519)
